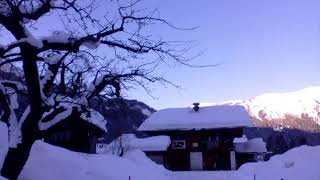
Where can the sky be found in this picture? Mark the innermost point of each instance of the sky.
(262, 46)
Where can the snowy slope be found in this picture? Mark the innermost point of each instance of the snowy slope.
(277, 107)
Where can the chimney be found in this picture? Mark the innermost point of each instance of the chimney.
(196, 107)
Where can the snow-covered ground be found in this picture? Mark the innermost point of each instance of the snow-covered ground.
(296, 164)
(50, 163)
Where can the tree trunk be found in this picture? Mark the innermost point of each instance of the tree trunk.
(15, 160)
(17, 157)
(62, 86)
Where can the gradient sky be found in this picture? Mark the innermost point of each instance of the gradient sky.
(262, 45)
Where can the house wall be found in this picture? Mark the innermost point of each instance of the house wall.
(213, 145)
(76, 135)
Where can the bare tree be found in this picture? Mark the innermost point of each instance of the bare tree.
(89, 56)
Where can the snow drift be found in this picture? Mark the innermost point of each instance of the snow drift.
(296, 164)
(52, 163)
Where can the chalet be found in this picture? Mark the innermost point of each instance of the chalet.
(202, 138)
(80, 134)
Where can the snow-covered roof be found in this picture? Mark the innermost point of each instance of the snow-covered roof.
(210, 117)
(130, 141)
(155, 143)
(242, 139)
(97, 119)
(256, 145)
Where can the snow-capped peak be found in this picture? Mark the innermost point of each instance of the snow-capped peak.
(270, 106)
(277, 105)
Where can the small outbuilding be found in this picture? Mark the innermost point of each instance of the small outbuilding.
(80, 134)
(202, 138)
(249, 150)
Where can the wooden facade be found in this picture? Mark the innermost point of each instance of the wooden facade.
(207, 149)
(75, 134)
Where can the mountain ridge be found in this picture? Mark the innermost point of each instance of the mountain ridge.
(295, 109)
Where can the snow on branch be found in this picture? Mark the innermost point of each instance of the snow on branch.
(101, 82)
(16, 85)
(35, 9)
(54, 62)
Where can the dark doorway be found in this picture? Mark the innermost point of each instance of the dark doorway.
(178, 160)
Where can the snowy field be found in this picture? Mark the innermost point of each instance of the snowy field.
(47, 162)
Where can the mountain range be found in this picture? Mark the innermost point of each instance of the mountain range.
(283, 120)
(294, 110)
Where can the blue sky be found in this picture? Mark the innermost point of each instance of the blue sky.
(263, 46)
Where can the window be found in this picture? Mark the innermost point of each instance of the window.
(195, 144)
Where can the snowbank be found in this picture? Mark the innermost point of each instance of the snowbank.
(139, 158)
(296, 164)
(52, 163)
(301, 163)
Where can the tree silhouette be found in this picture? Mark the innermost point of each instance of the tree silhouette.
(88, 57)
